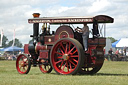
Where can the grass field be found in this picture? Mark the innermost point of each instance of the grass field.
(112, 73)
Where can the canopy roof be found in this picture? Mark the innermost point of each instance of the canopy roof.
(123, 42)
(12, 48)
(72, 20)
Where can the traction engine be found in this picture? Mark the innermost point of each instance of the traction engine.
(63, 49)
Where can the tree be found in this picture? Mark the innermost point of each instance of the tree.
(4, 41)
(112, 39)
(17, 43)
(7, 43)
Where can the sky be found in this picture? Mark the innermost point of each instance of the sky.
(15, 14)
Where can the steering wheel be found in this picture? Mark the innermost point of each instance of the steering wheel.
(79, 30)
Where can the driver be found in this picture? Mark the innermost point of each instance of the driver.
(85, 35)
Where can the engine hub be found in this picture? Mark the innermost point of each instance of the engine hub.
(65, 57)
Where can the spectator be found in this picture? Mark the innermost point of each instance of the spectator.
(125, 51)
(117, 52)
(120, 52)
(110, 54)
(20, 52)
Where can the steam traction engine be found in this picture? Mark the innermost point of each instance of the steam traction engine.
(63, 50)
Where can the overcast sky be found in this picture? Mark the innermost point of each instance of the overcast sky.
(15, 14)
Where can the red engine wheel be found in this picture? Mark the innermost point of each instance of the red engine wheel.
(23, 64)
(45, 68)
(67, 56)
(92, 68)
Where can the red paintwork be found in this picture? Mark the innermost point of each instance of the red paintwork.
(64, 56)
(49, 39)
(36, 15)
(43, 54)
(60, 63)
(97, 45)
(26, 49)
(39, 47)
(72, 20)
(64, 32)
(22, 64)
(45, 68)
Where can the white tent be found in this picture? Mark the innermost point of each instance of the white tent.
(123, 42)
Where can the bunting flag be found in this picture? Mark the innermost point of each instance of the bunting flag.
(1, 38)
(13, 38)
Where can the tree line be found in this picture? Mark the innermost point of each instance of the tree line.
(7, 43)
(112, 39)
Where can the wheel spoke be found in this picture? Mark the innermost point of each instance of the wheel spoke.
(63, 67)
(61, 63)
(62, 46)
(67, 66)
(26, 64)
(20, 63)
(58, 61)
(72, 62)
(74, 56)
(71, 50)
(70, 66)
(44, 67)
(66, 48)
(69, 45)
(58, 53)
(20, 67)
(23, 64)
(59, 57)
(61, 50)
(24, 69)
(75, 60)
(47, 67)
(65, 56)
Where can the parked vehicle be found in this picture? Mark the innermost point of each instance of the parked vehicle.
(63, 50)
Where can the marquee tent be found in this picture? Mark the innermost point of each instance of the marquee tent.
(123, 42)
(12, 48)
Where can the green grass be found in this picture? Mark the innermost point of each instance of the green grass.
(112, 73)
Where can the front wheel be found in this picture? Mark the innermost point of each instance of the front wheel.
(67, 56)
(23, 64)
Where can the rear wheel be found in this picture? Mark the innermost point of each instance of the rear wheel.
(67, 56)
(44, 66)
(92, 68)
(23, 64)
